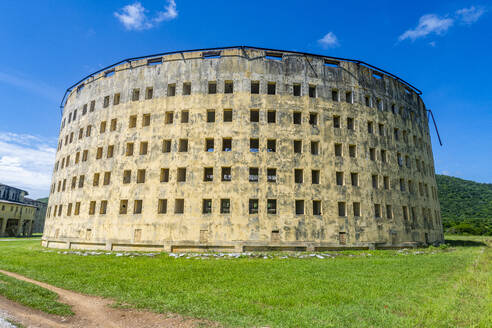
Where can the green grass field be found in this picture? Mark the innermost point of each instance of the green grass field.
(439, 288)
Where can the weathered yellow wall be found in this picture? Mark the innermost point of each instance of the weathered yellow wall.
(19, 212)
(195, 230)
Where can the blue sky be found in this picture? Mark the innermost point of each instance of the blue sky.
(442, 47)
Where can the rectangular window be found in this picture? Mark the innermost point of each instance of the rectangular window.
(271, 175)
(375, 182)
(383, 155)
(298, 176)
(137, 206)
(254, 115)
(352, 151)
(226, 144)
(386, 183)
(127, 176)
(396, 134)
(210, 116)
(338, 149)
(84, 109)
(149, 93)
(253, 206)
(297, 146)
(225, 206)
(226, 174)
(334, 95)
(254, 145)
(77, 209)
(169, 117)
(88, 131)
(164, 175)
(145, 120)
(370, 126)
(183, 145)
(144, 146)
(313, 118)
(116, 99)
(372, 154)
(103, 207)
(341, 209)
(110, 151)
(350, 123)
(356, 207)
(405, 213)
(181, 174)
(227, 115)
(228, 87)
(271, 88)
(99, 152)
(179, 206)
(129, 149)
(299, 204)
(271, 116)
(92, 207)
(141, 176)
(377, 210)
(166, 146)
(132, 123)
(367, 101)
(296, 118)
(271, 145)
(314, 147)
(381, 129)
(106, 102)
(255, 87)
(271, 206)
(135, 94)
(312, 91)
(212, 87)
(207, 206)
(339, 178)
(123, 206)
(162, 206)
(296, 90)
(95, 180)
(102, 127)
(336, 122)
(81, 181)
(389, 212)
(93, 105)
(316, 207)
(209, 145)
(354, 179)
(315, 176)
(253, 174)
(171, 90)
(74, 182)
(185, 116)
(348, 97)
(208, 174)
(186, 89)
(107, 178)
(113, 125)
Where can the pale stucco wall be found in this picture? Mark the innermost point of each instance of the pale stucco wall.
(195, 230)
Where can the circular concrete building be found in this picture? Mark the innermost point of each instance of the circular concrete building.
(242, 148)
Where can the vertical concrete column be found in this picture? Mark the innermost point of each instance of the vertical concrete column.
(3, 226)
(19, 227)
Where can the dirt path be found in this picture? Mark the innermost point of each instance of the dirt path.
(91, 311)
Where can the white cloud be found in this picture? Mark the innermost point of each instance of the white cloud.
(26, 162)
(134, 16)
(470, 15)
(36, 87)
(432, 43)
(428, 24)
(329, 40)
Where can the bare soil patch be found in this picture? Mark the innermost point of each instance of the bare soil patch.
(92, 311)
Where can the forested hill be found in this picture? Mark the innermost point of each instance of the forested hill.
(465, 204)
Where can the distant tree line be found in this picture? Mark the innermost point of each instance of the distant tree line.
(466, 206)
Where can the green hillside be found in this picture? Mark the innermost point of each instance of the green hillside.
(466, 206)
(44, 200)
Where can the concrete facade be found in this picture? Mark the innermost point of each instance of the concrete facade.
(242, 149)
